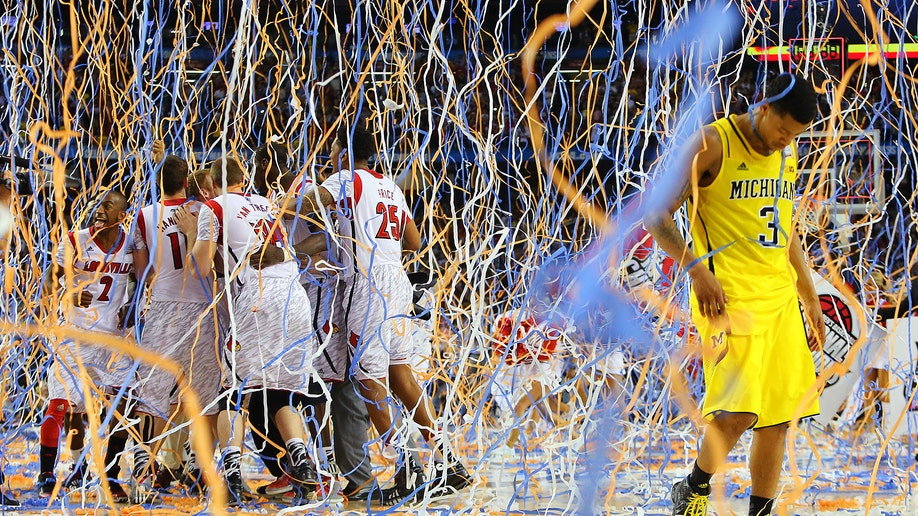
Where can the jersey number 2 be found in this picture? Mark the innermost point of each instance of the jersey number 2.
(107, 282)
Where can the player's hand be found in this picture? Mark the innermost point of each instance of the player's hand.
(712, 302)
(335, 156)
(267, 256)
(158, 152)
(816, 337)
(318, 265)
(127, 317)
(286, 204)
(122, 317)
(83, 299)
(186, 221)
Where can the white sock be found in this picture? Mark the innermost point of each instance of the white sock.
(297, 450)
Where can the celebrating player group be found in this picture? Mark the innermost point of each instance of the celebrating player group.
(286, 305)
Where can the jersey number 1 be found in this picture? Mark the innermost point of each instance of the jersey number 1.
(177, 261)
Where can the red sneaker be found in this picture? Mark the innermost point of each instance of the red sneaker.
(329, 490)
(276, 488)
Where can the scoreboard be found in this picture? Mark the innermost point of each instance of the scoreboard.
(829, 57)
(823, 58)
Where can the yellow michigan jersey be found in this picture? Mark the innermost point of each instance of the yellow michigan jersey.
(741, 224)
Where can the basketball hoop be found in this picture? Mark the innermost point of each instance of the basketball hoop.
(811, 215)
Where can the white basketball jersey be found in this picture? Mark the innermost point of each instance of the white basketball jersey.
(239, 223)
(102, 272)
(157, 231)
(372, 213)
(297, 227)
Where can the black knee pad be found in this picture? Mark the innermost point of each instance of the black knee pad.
(230, 399)
(278, 399)
(317, 393)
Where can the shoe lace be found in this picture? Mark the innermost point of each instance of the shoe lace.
(697, 505)
(393, 496)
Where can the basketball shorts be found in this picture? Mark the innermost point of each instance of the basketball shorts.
(222, 308)
(377, 323)
(768, 373)
(184, 333)
(327, 298)
(514, 382)
(78, 368)
(273, 343)
(420, 334)
(605, 362)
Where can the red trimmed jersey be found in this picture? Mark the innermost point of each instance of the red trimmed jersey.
(372, 213)
(103, 272)
(525, 337)
(240, 223)
(157, 231)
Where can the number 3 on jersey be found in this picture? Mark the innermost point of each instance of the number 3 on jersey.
(770, 215)
(392, 224)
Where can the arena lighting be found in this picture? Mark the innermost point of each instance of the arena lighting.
(854, 51)
(586, 70)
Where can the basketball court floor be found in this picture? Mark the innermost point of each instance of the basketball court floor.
(830, 473)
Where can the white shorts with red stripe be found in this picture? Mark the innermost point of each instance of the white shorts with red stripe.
(377, 321)
(272, 343)
(330, 319)
(78, 366)
(513, 382)
(185, 333)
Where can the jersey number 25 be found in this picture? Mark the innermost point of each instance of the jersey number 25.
(390, 228)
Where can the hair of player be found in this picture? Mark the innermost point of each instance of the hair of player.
(274, 151)
(122, 199)
(195, 180)
(362, 145)
(173, 174)
(799, 102)
(235, 174)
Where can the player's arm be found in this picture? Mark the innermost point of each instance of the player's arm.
(411, 237)
(201, 252)
(267, 256)
(305, 204)
(51, 286)
(202, 258)
(140, 278)
(127, 314)
(311, 245)
(141, 265)
(705, 149)
(806, 291)
(51, 281)
(270, 255)
(6, 199)
(143, 273)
